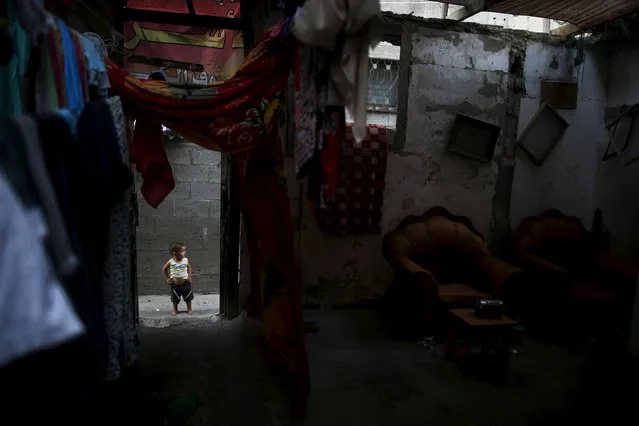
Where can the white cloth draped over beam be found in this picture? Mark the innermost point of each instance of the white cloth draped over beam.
(348, 29)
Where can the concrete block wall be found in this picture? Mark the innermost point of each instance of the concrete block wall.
(617, 184)
(451, 73)
(191, 214)
(567, 179)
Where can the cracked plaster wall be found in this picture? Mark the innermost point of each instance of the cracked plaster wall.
(567, 178)
(451, 73)
(469, 73)
(618, 185)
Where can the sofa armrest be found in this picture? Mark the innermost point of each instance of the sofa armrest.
(495, 272)
(411, 267)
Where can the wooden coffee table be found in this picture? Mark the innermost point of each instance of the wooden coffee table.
(474, 341)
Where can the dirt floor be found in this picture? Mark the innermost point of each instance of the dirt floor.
(211, 373)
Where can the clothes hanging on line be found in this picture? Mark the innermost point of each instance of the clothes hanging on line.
(347, 29)
(34, 18)
(68, 163)
(119, 319)
(72, 70)
(12, 73)
(357, 206)
(34, 310)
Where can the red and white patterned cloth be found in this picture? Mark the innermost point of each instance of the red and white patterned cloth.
(357, 206)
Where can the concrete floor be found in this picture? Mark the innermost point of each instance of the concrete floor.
(155, 311)
(360, 377)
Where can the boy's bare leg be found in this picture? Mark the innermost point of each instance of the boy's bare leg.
(189, 308)
(175, 309)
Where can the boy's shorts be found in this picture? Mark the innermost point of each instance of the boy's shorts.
(182, 291)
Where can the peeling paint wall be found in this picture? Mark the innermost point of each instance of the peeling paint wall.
(451, 73)
(567, 178)
(617, 187)
(493, 76)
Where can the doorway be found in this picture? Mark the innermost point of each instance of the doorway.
(191, 214)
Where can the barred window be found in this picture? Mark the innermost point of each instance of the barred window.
(382, 85)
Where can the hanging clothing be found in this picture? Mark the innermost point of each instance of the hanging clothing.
(62, 253)
(348, 28)
(276, 296)
(149, 157)
(90, 180)
(311, 95)
(70, 165)
(357, 207)
(119, 318)
(23, 161)
(11, 74)
(98, 79)
(232, 116)
(35, 313)
(74, 77)
(34, 18)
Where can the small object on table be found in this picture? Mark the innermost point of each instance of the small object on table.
(489, 308)
(481, 344)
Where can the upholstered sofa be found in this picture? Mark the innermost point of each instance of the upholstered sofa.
(576, 281)
(440, 261)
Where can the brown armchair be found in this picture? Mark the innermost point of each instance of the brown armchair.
(579, 280)
(440, 261)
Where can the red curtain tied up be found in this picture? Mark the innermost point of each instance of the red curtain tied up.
(238, 116)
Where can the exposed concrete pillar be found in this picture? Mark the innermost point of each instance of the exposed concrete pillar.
(504, 185)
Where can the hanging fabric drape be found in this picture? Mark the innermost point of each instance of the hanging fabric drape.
(239, 116)
(230, 116)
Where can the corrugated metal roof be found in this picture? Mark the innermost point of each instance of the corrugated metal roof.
(582, 13)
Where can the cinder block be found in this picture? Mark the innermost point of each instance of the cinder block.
(200, 225)
(178, 152)
(201, 155)
(215, 174)
(166, 208)
(152, 286)
(182, 191)
(146, 223)
(192, 208)
(216, 209)
(204, 261)
(206, 283)
(191, 173)
(204, 241)
(152, 240)
(150, 262)
(205, 191)
(173, 226)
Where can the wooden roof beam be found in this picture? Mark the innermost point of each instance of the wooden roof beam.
(472, 7)
(205, 21)
(565, 30)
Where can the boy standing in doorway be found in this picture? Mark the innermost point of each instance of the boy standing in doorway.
(177, 271)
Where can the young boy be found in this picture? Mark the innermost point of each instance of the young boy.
(177, 271)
